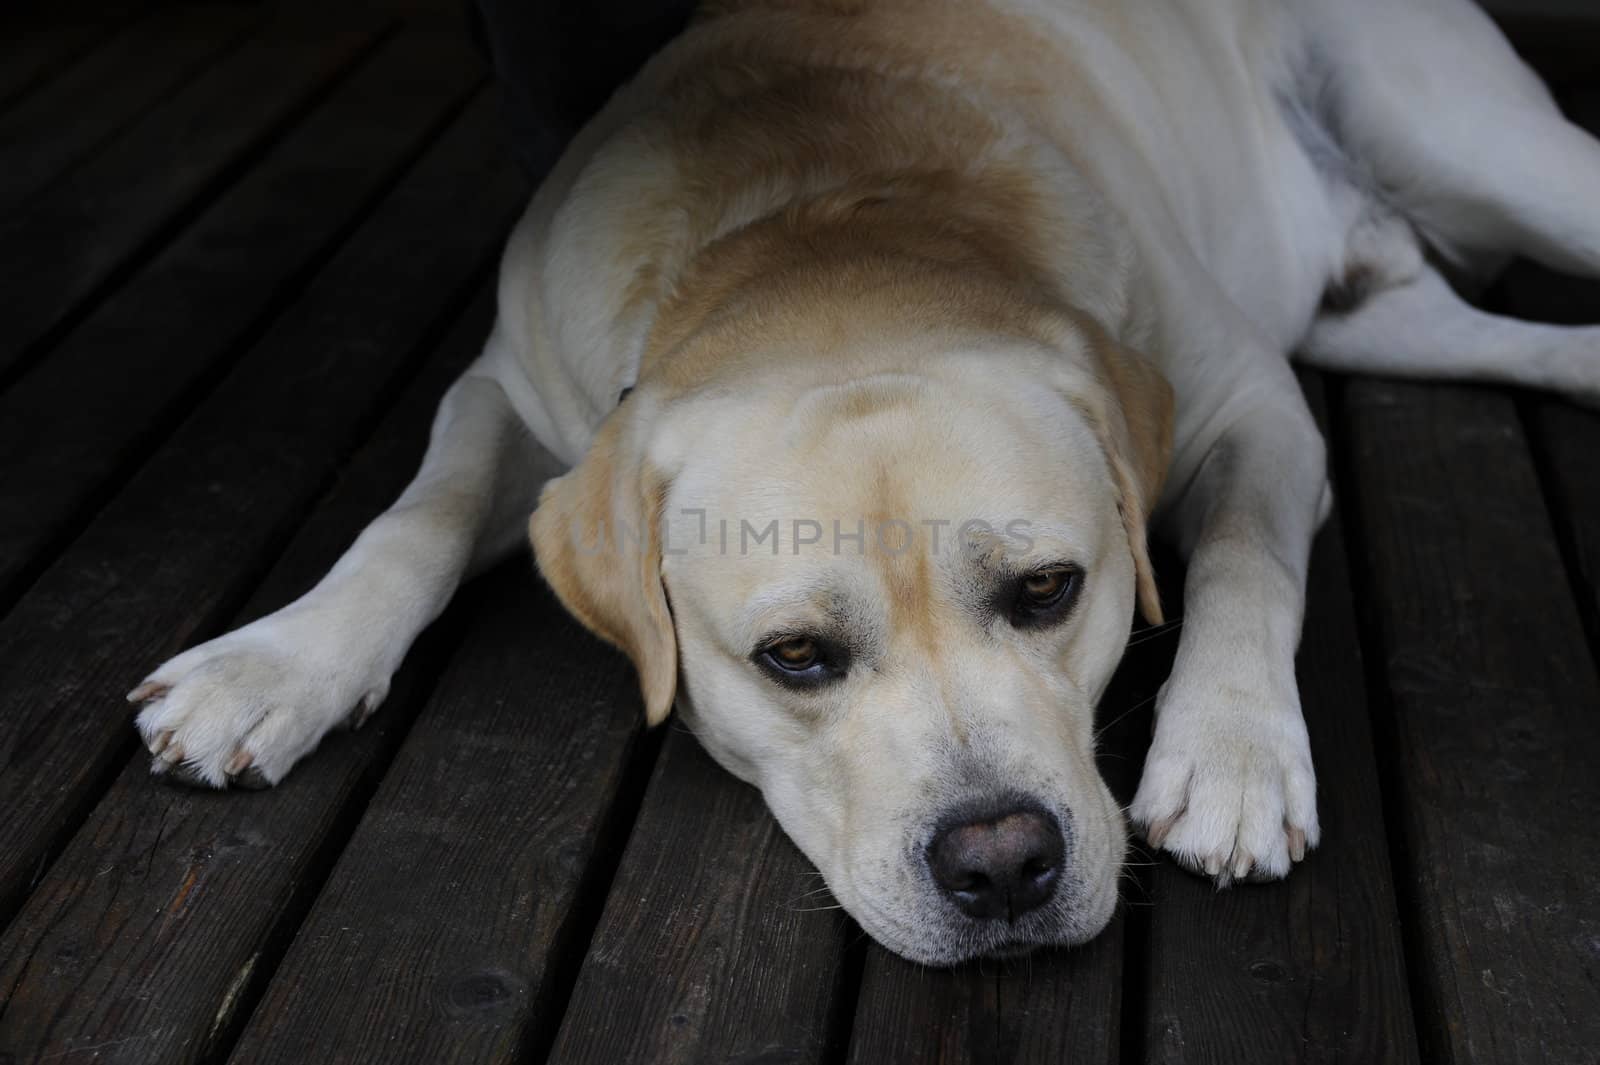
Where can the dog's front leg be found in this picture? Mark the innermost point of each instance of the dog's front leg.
(1228, 786)
(245, 707)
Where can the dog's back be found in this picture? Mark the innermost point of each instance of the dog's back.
(1167, 108)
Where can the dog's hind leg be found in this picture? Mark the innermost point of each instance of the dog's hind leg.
(1454, 132)
(243, 708)
(1421, 328)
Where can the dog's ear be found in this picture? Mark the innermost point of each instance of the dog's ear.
(596, 536)
(1140, 454)
(1132, 415)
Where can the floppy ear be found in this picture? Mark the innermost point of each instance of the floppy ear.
(1135, 428)
(595, 535)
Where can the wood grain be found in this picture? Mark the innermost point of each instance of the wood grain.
(74, 236)
(65, 121)
(126, 373)
(171, 555)
(1051, 1007)
(150, 936)
(438, 934)
(716, 944)
(1312, 968)
(1494, 697)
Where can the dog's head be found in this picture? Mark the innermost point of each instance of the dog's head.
(887, 586)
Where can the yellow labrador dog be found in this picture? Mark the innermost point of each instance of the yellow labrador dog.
(918, 310)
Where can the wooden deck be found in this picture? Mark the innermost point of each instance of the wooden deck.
(242, 252)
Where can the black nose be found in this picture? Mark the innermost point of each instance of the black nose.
(999, 866)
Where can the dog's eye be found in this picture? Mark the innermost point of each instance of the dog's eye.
(801, 661)
(797, 653)
(1045, 595)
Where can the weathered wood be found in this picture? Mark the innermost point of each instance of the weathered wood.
(149, 935)
(34, 52)
(64, 122)
(447, 926)
(1057, 1006)
(717, 942)
(123, 375)
(1494, 700)
(75, 235)
(168, 558)
(1310, 969)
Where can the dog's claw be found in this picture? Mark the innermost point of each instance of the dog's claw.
(1297, 842)
(186, 774)
(148, 692)
(364, 709)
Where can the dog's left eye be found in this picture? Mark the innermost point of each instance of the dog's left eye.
(1045, 595)
(800, 661)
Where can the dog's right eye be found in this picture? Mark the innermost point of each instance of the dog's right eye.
(801, 661)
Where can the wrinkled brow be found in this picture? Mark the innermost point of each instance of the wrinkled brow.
(847, 607)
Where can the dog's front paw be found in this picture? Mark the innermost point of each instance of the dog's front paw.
(244, 708)
(1228, 787)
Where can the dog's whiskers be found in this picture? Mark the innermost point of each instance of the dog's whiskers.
(1135, 708)
(1154, 631)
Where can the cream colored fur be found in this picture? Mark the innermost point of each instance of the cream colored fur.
(1023, 274)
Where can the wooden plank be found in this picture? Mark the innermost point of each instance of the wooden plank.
(99, 402)
(1310, 969)
(150, 935)
(33, 51)
(64, 122)
(1051, 1007)
(443, 932)
(73, 238)
(1494, 700)
(170, 555)
(716, 944)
